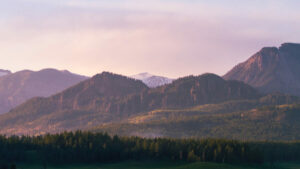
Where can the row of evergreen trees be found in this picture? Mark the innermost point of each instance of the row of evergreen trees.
(69, 147)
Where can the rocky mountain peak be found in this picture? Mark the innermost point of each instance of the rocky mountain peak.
(271, 69)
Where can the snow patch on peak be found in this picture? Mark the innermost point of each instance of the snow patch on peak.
(142, 76)
(152, 81)
(4, 72)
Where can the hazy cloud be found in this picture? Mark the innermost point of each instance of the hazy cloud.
(173, 38)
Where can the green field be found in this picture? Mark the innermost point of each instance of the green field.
(160, 165)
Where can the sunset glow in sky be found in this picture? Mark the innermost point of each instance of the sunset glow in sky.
(165, 37)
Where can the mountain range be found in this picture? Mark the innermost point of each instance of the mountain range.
(108, 97)
(16, 88)
(252, 101)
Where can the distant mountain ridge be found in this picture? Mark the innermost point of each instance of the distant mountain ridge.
(271, 70)
(16, 88)
(152, 80)
(108, 97)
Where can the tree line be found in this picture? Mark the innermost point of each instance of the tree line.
(83, 147)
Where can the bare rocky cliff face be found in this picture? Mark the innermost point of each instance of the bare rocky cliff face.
(271, 70)
(16, 88)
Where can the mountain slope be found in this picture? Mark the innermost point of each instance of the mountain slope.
(271, 70)
(108, 97)
(152, 80)
(18, 87)
(243, 120)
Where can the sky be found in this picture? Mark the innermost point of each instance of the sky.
(172, 38)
